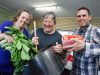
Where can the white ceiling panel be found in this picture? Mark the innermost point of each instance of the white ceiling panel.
(67, 8)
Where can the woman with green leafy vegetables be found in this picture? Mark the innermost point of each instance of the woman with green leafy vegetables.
(20, 20)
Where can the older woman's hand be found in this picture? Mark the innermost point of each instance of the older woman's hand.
(58, 48)
(35, 40)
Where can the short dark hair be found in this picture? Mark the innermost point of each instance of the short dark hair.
(84, 8)
(52, 14)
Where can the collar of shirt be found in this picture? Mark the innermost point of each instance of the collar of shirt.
(83, 30)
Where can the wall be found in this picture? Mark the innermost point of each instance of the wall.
(5, 13)
(65, 23)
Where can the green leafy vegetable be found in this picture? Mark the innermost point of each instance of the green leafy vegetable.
(22, 49)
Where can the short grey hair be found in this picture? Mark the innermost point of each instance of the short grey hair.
(52, 14)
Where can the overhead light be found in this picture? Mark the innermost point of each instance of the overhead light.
(47, 8)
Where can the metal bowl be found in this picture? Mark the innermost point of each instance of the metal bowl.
(47, 63)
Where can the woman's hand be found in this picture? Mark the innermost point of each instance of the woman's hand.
(8, 38)
(35, 40)
(58, 48)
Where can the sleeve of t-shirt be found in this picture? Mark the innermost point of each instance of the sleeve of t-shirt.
(4, 24)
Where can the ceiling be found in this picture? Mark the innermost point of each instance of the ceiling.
(65, 8)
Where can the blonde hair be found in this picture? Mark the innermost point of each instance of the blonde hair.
(14, 18)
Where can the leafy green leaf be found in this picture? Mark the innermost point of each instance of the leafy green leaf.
(8, 48)
(8, 33)
(26, 48)
(19, 45)
(24, 55)
(3, 41)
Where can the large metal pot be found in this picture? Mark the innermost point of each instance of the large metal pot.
(47, 63)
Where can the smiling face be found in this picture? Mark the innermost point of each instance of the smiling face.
(83, 17)
(22, 20)
(48, 24)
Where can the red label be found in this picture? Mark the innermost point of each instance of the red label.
(70, 58)
(69, 37)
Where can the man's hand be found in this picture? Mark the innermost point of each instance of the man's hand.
(78, 45)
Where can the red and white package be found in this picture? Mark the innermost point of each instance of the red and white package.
(69, 59)
(69, 39)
